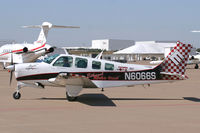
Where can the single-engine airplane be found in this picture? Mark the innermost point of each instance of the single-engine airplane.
(24, 53)
(77, 72)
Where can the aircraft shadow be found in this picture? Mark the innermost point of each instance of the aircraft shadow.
(50, 98)
(194, 99)
(103, 100)
(89, 99)
(144, 99)
(95, 100)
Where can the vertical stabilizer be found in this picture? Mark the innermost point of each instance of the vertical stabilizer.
(45, 27)
(175, 63)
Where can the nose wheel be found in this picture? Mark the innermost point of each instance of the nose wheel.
(16, 95)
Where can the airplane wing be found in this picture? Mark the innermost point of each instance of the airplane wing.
(74, 83)
(24, 52)
(65, 79)
(190, 62)
(6, 61)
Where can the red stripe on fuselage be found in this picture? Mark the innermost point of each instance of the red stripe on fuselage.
(38, 47)
(20, 50)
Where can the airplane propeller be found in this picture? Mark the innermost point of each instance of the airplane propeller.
(11, 68)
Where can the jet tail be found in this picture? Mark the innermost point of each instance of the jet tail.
(174, 65)
(45, 27)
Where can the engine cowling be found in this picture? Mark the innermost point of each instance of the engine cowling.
(50, 50)
(25, 49)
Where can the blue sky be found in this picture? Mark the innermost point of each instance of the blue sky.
(99, 19)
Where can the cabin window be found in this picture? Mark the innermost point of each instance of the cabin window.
(81, 62)
(109, 66)
(96, 65)
(50, 58)
(65, 61)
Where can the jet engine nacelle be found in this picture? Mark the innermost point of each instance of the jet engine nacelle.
(25, 49)
(50, 50)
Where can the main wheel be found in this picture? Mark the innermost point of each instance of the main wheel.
(16, 95)
(196, 66)
(70, 98)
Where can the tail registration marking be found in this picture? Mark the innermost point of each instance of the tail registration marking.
(140, 75)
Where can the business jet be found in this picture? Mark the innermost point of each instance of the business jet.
(195, 59)
(76, 72)
(23, 53)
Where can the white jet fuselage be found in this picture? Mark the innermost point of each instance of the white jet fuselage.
(19, 55)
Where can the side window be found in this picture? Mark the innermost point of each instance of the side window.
(96, 65)
(81, 62)
(66, 61)
(109, 66)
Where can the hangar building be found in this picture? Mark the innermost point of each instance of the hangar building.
(111, 44)
(145, 50)
(125, 50)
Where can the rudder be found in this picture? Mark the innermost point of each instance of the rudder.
(176, 61)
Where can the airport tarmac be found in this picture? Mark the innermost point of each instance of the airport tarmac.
(160, 108)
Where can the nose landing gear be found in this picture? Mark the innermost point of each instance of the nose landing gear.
(16, 95)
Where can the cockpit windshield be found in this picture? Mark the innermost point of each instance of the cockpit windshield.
(50, 58)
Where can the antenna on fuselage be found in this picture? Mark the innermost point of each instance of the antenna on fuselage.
(65, 51)
(99, 55)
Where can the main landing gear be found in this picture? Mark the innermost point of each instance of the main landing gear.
(196, 66)
(72, 92)
(70, 98)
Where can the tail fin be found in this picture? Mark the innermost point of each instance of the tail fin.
(175, 63)
(45, 27)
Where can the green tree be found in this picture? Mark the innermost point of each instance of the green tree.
(198, 49)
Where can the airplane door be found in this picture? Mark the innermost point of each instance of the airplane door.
(63, 63)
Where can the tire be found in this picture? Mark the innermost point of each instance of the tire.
(69, 98)
(16, 95)
(196, 66)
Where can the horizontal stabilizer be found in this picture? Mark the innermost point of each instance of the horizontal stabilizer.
(53, 26)
(45, 27)
(59, 26)
(195, 31)
(49, 25)
(175, 74)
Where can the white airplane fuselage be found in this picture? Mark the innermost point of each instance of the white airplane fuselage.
(126, 74)
(77, 72)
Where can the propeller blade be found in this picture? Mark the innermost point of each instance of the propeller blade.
(11, 59)
(11, 75)
(12, 68)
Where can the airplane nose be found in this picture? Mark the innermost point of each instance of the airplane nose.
(10, 68)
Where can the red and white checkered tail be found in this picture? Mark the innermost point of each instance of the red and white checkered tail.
(175, 63)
